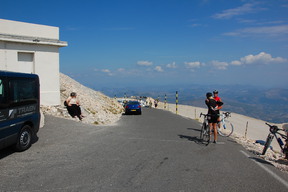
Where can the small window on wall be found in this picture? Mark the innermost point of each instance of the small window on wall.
(26, 62)
(25, 57)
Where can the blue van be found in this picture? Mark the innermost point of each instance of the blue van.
(19, 109)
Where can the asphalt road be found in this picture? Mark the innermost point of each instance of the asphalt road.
(156, 151)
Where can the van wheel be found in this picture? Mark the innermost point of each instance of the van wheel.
(24, 140)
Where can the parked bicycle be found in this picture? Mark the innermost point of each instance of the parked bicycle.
(275, 132)
(225, 127)
(205, 129)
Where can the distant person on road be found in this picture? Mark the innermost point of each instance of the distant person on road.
(155, 103)
(213, 112)
(150, 104)
(73, 106)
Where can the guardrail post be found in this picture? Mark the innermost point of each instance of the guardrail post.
(246, 130)
(165, 102)
(176, 102)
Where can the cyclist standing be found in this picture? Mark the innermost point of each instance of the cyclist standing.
(213, 112)
(217, 98)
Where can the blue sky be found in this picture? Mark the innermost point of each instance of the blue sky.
(161, 42)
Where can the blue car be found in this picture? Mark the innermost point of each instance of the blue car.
(133, 107)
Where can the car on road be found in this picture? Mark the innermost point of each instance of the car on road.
(133, 107)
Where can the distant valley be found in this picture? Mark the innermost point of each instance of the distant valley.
(270, 105)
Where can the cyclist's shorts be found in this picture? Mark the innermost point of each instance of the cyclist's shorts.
(213, 119)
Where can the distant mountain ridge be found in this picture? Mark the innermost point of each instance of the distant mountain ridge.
(268, 104)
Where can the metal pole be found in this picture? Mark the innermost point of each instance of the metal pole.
(176, 102)
(165, 102)
(246, 130)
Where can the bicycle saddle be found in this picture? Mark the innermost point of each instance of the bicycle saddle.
(285, 127)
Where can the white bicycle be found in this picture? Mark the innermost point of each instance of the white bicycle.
(225, 127)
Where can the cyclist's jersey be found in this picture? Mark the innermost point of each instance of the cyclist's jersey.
(217, 98)
(211, 103)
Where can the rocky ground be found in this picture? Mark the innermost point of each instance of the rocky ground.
(96, 107)
(274, 157)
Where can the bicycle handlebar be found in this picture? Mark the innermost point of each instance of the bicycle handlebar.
(205, 115)
(227, 114)
(274, 128)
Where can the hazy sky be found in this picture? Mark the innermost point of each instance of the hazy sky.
(161, 42)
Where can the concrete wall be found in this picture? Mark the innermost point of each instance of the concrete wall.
(27, 56)
(28, 29)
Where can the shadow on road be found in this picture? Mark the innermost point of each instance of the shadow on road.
(261, 161)
(11, 149)
(194, 139)
(194, 129)
(6, 152)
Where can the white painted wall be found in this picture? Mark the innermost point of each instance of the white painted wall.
(34, 57)
(28, 29)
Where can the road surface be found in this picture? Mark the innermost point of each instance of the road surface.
(156, 151)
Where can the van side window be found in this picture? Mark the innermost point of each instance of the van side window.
(23, 90)
(3, 94)
(2, 98)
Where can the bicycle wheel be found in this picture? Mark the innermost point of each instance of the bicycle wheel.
(267, 143)
(226, 129)
(203, 129)
(206, 136)
(205, 133)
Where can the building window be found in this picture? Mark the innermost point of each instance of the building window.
(25, 57)
(26, 62)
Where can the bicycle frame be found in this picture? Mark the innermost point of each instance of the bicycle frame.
(224, 116)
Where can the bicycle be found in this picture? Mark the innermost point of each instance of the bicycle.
(225, 128)
(274, 132)
(205, 129)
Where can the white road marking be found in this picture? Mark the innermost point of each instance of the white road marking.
(285, 183)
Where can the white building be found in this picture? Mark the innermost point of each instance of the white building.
(33, 48)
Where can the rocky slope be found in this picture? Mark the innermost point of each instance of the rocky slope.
(96, 107)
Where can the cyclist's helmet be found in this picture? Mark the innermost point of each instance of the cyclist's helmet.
(215, 92)
(208, 94)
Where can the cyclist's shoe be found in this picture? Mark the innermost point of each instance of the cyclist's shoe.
(215, 142)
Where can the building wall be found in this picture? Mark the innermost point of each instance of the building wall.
(28, 29)
(41, 59)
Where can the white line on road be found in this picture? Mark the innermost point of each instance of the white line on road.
(285, 183)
